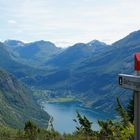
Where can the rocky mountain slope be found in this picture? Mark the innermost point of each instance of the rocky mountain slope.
(17, 104)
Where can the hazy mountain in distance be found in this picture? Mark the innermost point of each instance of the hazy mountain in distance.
(21, 71)
(77, 53)
(97, 45)
(132, 39)
(33, 53)
(13, 43)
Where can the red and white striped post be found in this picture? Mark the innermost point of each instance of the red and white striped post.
(137, 99)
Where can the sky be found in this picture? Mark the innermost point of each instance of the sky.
(66, 22)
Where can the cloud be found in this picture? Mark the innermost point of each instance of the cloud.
(67, 22)
(11, 21)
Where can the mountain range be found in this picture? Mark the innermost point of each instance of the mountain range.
(33, 53)
(86, 71)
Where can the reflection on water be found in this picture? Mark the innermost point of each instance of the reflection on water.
(64, 113)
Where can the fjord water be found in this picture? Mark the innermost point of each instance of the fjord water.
(64, 112)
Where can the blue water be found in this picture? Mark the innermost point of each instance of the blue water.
(64, 113)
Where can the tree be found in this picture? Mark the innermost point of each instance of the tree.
(122, 113)
(31, 130)
(107, 128)
(84, 125)
(130, 109)
(126, 128)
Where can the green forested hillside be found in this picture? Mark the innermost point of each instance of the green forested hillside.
(17, 104)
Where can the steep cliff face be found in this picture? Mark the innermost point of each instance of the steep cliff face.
(17, 105)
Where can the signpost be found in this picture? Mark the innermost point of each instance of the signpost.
(133, 82)
(129, 81)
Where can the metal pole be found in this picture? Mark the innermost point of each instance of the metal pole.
(137, 111)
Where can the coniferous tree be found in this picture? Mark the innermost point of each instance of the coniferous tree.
(106, 128)
(122, 113)
(84, 125)
(130, 109)
(31, 130)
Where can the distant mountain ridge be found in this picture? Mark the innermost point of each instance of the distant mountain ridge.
(97, 45)
(77, 52)
(34, 52)
(87, 71)
(13, 43)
